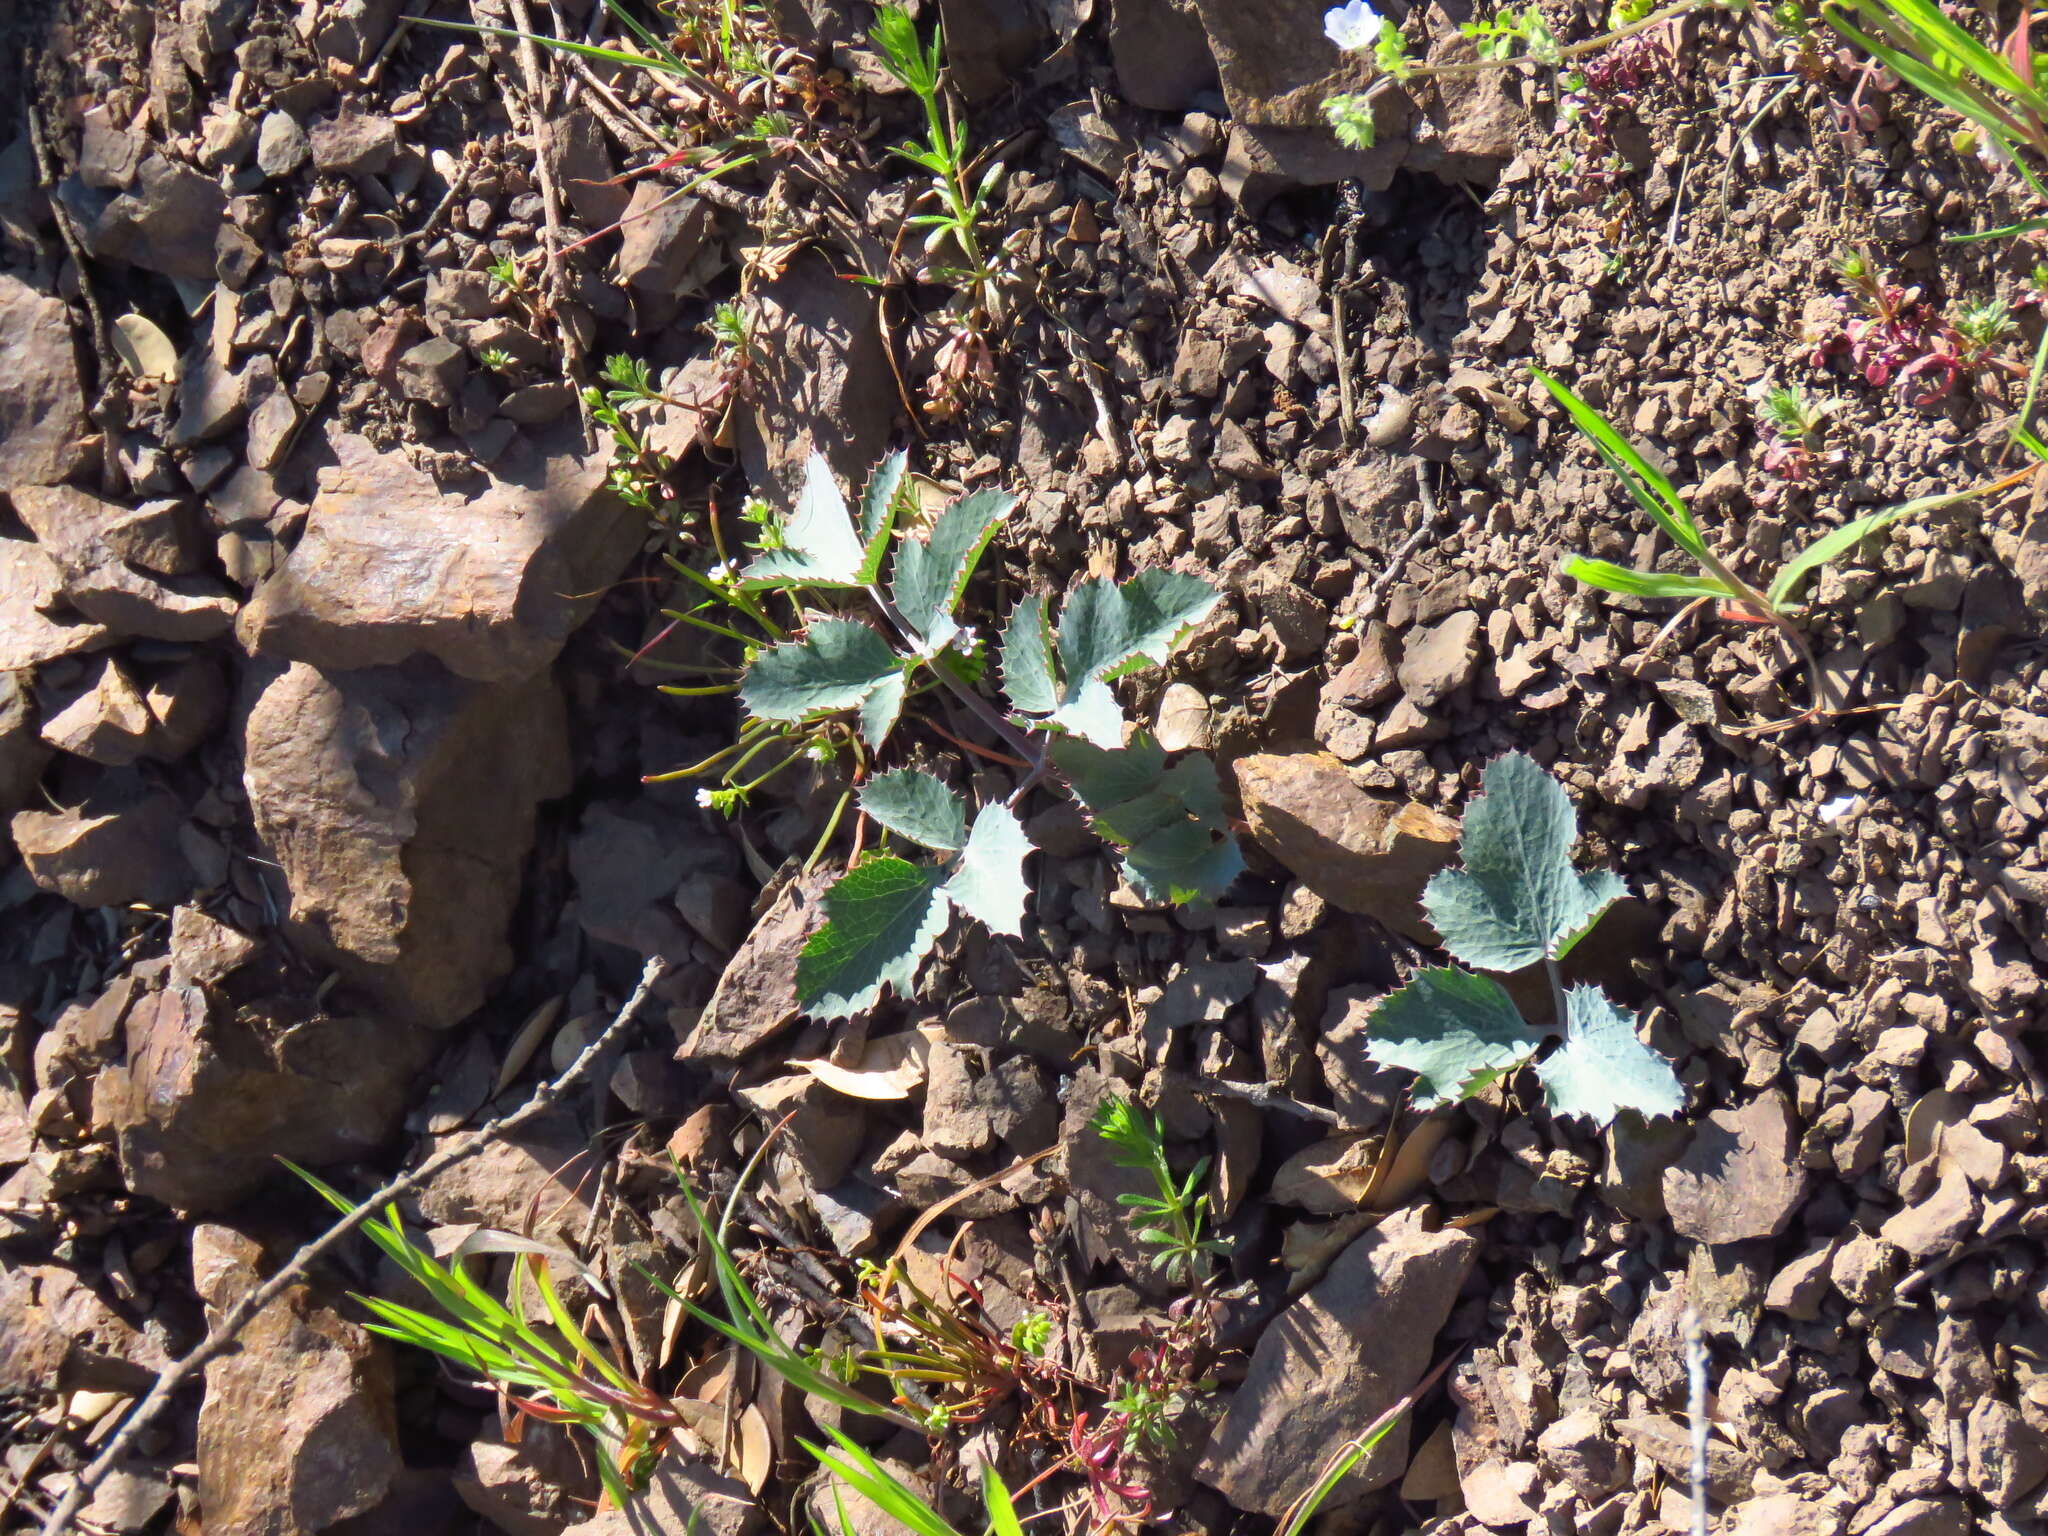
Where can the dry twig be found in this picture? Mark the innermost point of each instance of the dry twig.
(230, 1327)
(46, 176)
(1377, 594)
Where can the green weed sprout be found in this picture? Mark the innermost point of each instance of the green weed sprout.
(856, 1467)
(1792, 414)
(558, 1375)
(1350, 119)
(1171, 1219)
(1984, 323)
(960, 207)
(1518, 902)
(1992, 88)
(1716, 582)
(639, 472)
(733, 334)
(1515, 33)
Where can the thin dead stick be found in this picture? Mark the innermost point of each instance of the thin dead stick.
(1377, 594)
(1696, 1393)
(230, 1327)
(1258, 1095)
(539, 126)
(46, 178)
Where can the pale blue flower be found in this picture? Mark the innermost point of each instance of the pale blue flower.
(1353, 26)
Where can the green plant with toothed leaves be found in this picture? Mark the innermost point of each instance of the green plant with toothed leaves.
(1518, 902)
(841, 653)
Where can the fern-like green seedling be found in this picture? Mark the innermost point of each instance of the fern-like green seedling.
(1170, 1221)
(1518, 901)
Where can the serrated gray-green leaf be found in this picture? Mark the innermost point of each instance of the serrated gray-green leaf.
(878, 711)
(1104, 777)
(1604, 888)
(1167, 823)
(1183, 863)
(988, 878)
(878, 502)
(820, 547)
(881, 919)
(836, 665)
(932, 572)
(918, 806)
(1603, 1067)
(1103, 627)
(1517, 898)
(1455, 1031)
(1092, 713)
(1027, 659)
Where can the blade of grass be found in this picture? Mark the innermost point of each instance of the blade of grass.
(1352, 1453)
(1830, 545)
(858, 1469)
(1619, 578)
(670, 66)
(1652, 491)
(1002, 1505)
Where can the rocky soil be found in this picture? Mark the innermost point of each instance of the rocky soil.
(325, 726)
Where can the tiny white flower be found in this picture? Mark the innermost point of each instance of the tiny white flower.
(1353, 26)
(704, 799)
(722, 571)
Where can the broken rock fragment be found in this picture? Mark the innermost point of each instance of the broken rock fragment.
(43, 425)
(490, 584)
(122, 566)
(165, 224)
(209, 1097)
(1333, 1361)
(36, 625)
(107, 721)
(117, 846)
(399, 804)
(1741, 1177)
(58, 1332)
(299, 1426)
(23, 754)
(755, 999)
(825, 387)
(1357, 851)
(1440, 660)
